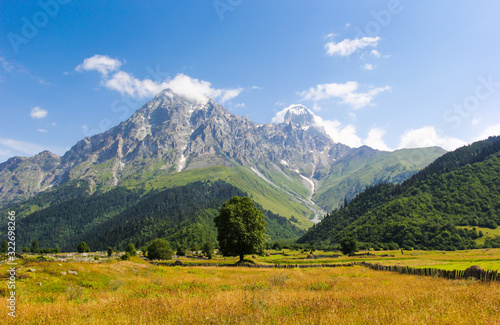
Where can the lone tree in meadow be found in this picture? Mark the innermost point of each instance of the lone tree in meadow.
(159, 249)
(240, 228)
(348, 246)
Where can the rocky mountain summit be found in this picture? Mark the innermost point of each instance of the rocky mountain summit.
(171, 134)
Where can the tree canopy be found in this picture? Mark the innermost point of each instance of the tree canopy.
(159, 249)
(240, 228)
(348, 246)
(438, 208)
(82, 247)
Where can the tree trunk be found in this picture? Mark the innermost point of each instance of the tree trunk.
(242, 256)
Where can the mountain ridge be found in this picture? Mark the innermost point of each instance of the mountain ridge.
(436, 208)
(171, 134)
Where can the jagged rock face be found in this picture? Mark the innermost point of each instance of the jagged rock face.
(299, 115)
(23, 177)
(170, 134)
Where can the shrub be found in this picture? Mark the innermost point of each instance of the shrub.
(208, 249)
(348, 246)
(159, 249)
(130, 250)
(82, 247)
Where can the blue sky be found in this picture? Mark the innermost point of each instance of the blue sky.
(389, 74)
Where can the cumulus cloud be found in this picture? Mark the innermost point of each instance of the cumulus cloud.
(374, 139)
(349, 46)
(38, 113)
(125, 83)
(345, 134)
(368, 66)
(347, 92)
(427, 136)
(492, 130)
(101, 63)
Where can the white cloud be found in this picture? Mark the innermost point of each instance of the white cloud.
(5, 154)
(492, 130)
(368, 66)
(12, 147)
(349, 46)
(102, 63)
(342, 134)
(316, 107)
(375, 53)
(125, 83)
(346, 134)
(427, 136)
(475, 121)
(224, 94)
(330, 36)
(42, 130)
(347, 92)
(38, 113)
(22, 146)
(374, 139)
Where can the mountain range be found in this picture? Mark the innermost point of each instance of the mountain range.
(454, 203)
(293, 168)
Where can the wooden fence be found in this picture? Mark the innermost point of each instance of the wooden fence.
(479, 274)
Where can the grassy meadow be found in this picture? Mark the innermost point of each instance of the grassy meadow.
(136, 292)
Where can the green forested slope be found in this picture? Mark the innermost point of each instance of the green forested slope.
(350, 175)
(462, 188)
(121, 216)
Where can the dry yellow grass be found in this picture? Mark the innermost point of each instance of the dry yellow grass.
(138, 293)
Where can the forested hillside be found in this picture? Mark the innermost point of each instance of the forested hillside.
(121, 216)
(431, 210)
